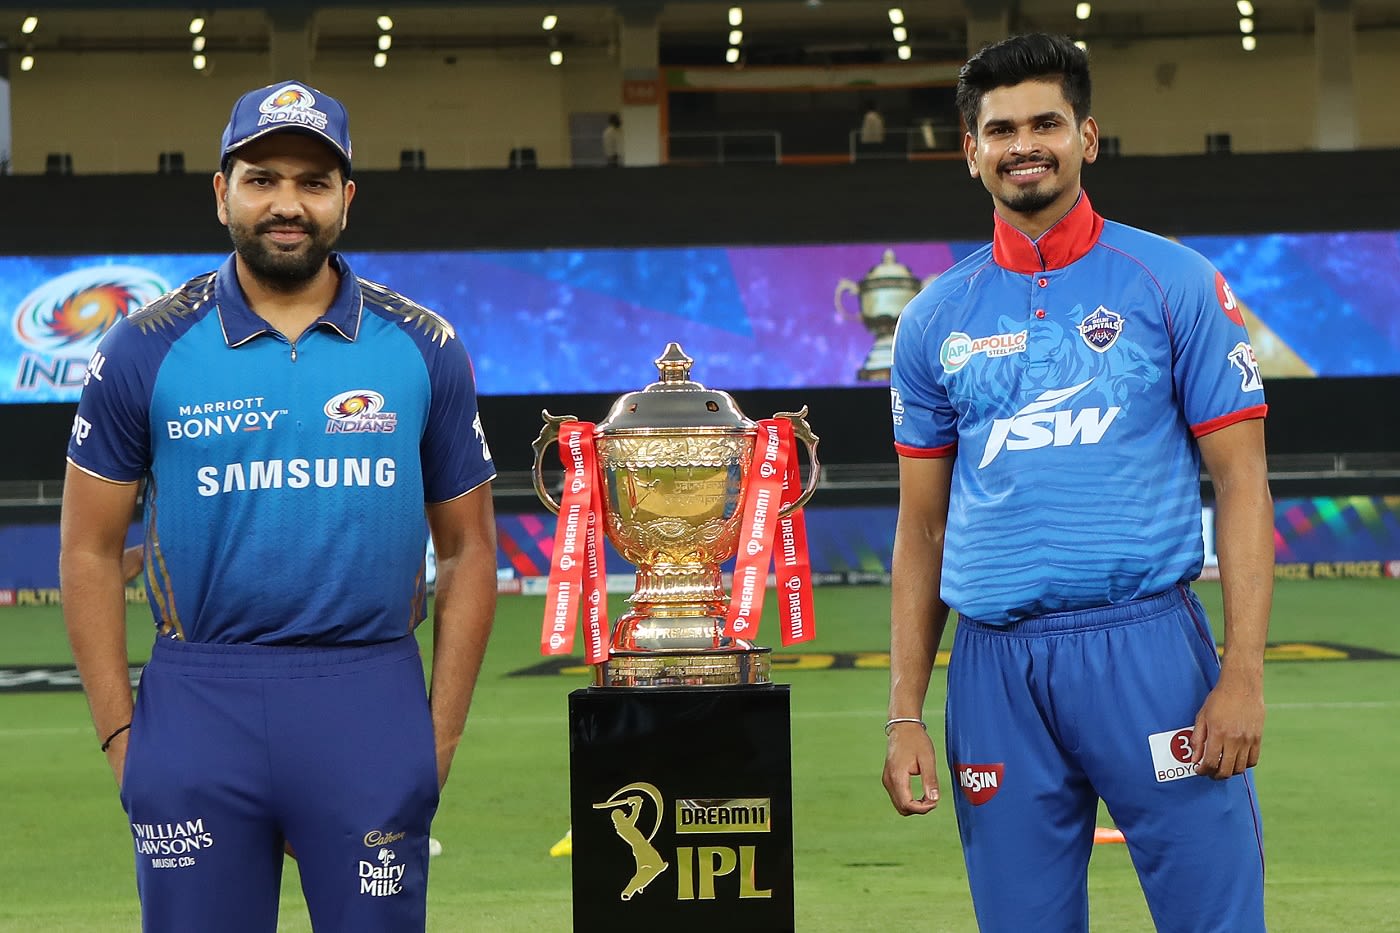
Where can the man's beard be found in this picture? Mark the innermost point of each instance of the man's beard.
(279, 269)
(1031, 200)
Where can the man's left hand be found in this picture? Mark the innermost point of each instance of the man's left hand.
(1229, 728)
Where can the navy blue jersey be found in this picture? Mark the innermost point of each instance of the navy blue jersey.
(276, 468)
(1071, 376)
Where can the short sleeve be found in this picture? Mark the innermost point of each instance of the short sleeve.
(1214, 368)
(925, 423)
(111, 435)
(456, 457)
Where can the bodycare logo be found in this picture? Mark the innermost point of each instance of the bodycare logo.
(980, 783)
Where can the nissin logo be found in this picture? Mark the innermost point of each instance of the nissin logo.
(1036, 425)
(980, 783)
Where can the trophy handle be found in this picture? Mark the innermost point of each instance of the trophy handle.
(549, 434)
(803, 431)
(843, 287)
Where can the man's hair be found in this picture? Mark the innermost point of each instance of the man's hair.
(1024, 58)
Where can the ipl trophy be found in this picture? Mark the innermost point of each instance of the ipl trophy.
(673, 469)
(883, 293)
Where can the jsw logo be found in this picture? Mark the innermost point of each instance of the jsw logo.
(1035, 426)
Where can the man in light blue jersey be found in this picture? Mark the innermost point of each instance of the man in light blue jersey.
(289, 422)
(1054, 396)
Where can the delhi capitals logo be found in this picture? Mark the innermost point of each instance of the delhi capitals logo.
(1100, 330)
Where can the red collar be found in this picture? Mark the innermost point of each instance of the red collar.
(1071, 237)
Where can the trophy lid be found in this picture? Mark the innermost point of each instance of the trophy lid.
(889, 268)
(675, 402)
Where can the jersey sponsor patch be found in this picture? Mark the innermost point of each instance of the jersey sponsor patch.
(1036, 425)
(896, 406)
(381, 877)
(81, 429)
(172, 845)
(225, 417)
(1100, 329)
(480, 433)
(980, 783)
(296, 473)
(1228, 303)
(1242, 358)
(1171, 754)
(958, 348)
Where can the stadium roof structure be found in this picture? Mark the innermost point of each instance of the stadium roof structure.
(776, 31)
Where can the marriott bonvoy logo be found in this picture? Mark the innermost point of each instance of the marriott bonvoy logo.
(229, 417)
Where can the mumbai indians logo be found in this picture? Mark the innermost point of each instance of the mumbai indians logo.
(359, 411)
(70, 313)
(291, 103)
(1100, 330)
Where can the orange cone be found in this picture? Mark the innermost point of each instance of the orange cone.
(1105, 835)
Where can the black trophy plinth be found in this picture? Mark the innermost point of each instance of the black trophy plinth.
(681, 806)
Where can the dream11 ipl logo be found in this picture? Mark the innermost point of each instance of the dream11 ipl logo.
(62, 321)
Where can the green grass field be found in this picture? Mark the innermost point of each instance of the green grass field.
(1327, 784)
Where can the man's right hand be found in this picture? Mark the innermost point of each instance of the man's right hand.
(910, 754)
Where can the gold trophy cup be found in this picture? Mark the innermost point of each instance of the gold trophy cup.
(674, 465)
(883, 293)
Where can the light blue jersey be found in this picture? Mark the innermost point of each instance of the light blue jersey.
(1071, 376)
(276, 468)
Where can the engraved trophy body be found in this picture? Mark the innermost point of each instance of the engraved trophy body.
(882, 294)
(674, 463)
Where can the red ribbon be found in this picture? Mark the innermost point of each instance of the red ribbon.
(791, 563)
(774, 483)
(576, 573)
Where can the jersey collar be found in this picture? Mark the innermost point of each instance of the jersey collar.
(1070, 238)
(241, 323)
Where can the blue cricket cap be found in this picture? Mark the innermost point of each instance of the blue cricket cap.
(285, 107)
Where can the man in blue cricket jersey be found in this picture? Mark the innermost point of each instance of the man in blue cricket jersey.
(289, 421)
(1054, 395)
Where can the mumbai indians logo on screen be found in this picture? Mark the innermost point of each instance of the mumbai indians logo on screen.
(291, 103)
(62, 320)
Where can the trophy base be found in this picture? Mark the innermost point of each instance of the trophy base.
(715, 667)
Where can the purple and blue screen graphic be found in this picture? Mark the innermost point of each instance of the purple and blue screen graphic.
(842, 540)
(566, 321)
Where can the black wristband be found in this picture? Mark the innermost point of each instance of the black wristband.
(108, 744)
